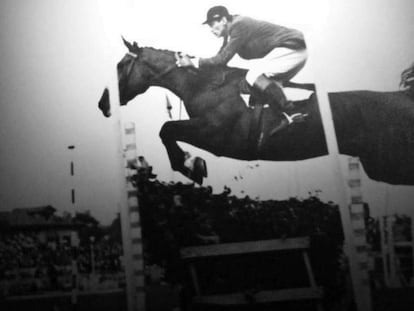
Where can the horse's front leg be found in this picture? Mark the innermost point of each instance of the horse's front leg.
(184, 130)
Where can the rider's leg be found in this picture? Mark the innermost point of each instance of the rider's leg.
(255, 94)
(276, 100)
(283, 64)
(272, 91)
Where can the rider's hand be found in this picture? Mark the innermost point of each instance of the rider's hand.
(183, 60)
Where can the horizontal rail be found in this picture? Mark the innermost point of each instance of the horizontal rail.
(244, 247)
(291, 294)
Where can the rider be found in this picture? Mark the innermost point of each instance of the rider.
(273, 51)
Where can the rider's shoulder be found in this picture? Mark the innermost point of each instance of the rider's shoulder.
(242, 19)
(241, 23)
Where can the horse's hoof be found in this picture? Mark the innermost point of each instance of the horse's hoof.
(198, 179)
(193, 175)
(200, 166)
(199, 171)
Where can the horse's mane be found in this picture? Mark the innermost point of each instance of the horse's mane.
(215, 76)
(156, 49)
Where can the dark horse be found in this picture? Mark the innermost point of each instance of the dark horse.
(377, 127)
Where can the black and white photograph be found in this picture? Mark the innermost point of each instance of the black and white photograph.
(207, 155)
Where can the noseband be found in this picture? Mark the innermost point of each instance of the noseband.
(134, 56)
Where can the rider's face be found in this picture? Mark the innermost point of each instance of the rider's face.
(219, 27)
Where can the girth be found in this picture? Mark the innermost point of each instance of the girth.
(256, 130)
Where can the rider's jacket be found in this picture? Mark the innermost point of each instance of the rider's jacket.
(251, 38)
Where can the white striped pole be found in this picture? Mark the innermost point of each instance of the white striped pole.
(363, 302)
(112, 13)
(359, 230)
(128, 206)
(134, 222)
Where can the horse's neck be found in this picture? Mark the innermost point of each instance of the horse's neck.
(167, 75)
(178, 82)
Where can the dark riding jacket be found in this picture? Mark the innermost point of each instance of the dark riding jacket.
(251, 38)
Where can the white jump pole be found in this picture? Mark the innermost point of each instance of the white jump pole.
(361, 291)
(113, 17)
(134, 221)
(358, 224)
(130, 220)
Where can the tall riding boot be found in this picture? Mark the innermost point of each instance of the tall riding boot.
(245, 87)
(255, 94)
(276, 99)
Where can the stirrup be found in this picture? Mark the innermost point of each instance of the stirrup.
(295, 118)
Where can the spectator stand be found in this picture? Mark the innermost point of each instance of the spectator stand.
(35, 257)
(397, 250)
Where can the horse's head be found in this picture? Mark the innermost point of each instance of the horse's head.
(133, 73)
(141, 68)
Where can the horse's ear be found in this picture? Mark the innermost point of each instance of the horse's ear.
(127, 44)
(135, 46)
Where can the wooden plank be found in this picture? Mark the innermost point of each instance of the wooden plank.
(403, 244)
(194, 278)
(309, 269)
(244, 247)
(291, 294)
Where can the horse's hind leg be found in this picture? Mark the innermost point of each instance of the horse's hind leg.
(173, 131)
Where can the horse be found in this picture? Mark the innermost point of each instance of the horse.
(377, 127)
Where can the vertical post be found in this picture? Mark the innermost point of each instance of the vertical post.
(92, 240)
(394, 280)
(73, 238)
(111, 18)
(358, 227)
(412, 249)
(363, 303)
(123, 203)
(130, 220)
(134, 223)
(384, 249)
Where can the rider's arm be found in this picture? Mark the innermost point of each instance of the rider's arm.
(238, 37)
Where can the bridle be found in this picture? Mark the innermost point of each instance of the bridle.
(159, 75)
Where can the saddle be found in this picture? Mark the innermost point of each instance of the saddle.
(219, 76)
(257, 103)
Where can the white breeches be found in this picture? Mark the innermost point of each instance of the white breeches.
(281, 63)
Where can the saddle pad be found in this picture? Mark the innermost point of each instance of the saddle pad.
(291, 94)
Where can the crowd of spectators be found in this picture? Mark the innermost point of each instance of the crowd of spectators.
(176, 215)
(28, 265)
(106, 257)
